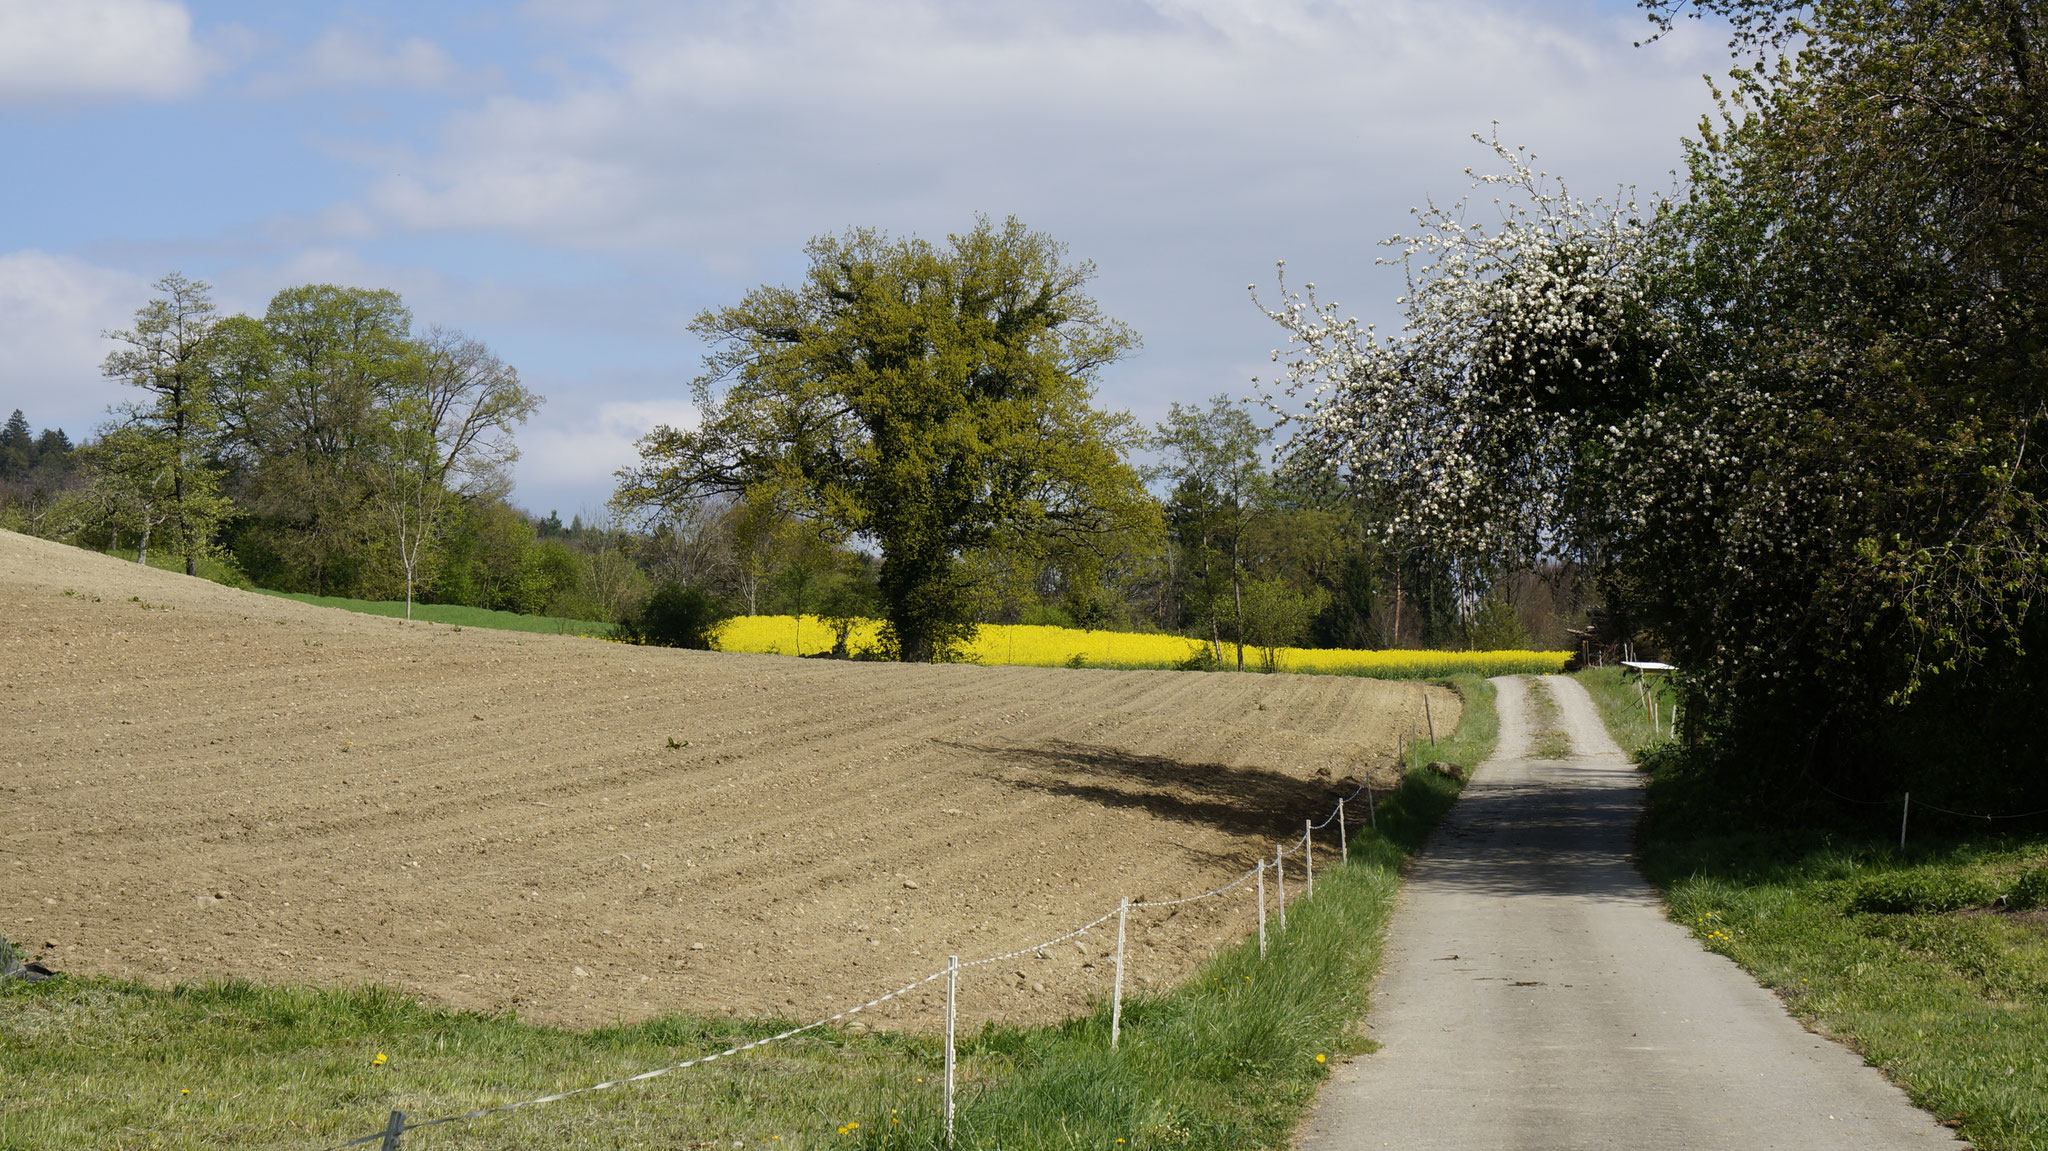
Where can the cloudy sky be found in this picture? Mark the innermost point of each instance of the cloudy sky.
(572, 180)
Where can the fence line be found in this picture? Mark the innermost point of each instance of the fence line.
(950, 973)
(1908, 804)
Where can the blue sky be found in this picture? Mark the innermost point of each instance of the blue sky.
(572, 180)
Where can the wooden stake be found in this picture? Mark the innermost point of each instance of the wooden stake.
(952, 1013)
(1116, 1001)
(1262, 909)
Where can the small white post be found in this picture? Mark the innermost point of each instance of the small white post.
(1280, 885)
(1116, 994)
(1904, 811)
(1308, 853)
(1343, 835)
(952, 1013)
(1262, 909)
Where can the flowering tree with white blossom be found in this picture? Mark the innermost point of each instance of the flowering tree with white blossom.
(1480, 425)
(1790, 416)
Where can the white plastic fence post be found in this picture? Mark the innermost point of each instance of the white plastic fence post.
(1280, 885)
(1116, 995)
(1262, 909)
(952, 1013)
(1308, 853)
(1343, 835)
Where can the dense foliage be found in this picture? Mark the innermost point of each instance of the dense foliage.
(936, 400)
(1787, 415)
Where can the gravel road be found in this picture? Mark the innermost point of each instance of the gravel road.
(1534, 995)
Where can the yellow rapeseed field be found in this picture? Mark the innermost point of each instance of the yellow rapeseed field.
(1030, 645)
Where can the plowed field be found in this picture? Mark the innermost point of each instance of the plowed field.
(201, 782)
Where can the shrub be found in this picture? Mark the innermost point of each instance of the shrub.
(676, 615)
(1920, 892)
(2030, 892)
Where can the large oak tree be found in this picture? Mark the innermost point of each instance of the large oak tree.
(930, 398)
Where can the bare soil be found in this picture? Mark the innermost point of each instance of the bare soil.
(198, 782)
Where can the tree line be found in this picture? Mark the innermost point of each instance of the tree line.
(911, 435)
(327, 446)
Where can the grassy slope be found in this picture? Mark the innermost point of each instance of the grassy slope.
(1227, 1060)
(456, 615)
(1952, 1005)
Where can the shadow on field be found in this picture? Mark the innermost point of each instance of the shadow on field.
(1237, 800)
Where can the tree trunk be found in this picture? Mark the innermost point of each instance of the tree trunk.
(142, 549)
(1237, 594)
(1396, 642)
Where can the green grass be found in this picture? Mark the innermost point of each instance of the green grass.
(455, 614)
(1919, 959)
(1619, 699)
(1549, 741)
(1225, 1060)
(217, 567)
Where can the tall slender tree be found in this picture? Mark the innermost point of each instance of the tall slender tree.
(166, 355)
(1218, 452)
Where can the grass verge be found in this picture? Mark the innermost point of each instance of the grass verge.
(1932, 962)
(1620, 700)
(455, 614)
(1228, 1059)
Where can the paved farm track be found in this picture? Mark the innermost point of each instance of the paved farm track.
(1536, 999)
(200, 782)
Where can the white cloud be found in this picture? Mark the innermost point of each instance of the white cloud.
(350, 57)
(1184, 145)
(570, 453)
(53, 310)
(1153, 135)
(61, 49)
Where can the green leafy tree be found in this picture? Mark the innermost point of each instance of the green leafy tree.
(308, 390)
(135, 486)
(1215, 457)
(1277, 615)
(167, 355)
(927, 397)
(447, 436)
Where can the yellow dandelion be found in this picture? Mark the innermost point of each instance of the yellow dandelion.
(1320, 1059)
(378, 1061)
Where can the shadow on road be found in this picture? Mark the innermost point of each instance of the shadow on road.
(1547, 830)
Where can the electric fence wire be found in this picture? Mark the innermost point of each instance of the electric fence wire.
(1807, 774)
(657, 1072)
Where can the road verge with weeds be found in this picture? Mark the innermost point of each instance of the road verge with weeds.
(1229, 1059)
(1931, 961)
